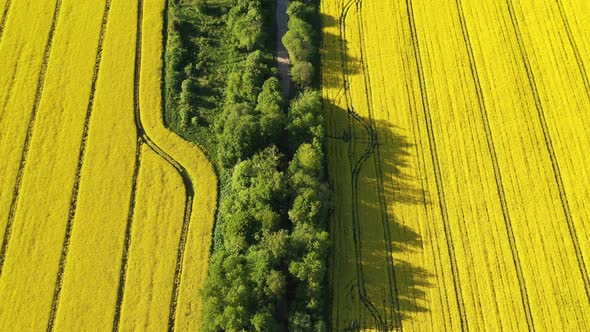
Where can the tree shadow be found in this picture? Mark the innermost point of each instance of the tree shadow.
(376, 280)
(338, 62)
(401, 189)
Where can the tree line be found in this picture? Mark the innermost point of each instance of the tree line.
(267, 269)
(309, 193)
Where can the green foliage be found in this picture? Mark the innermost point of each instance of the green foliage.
(245, 23)
(176, 56)
(298, 42)
(298, 9)
(194, 70)
(300, 321)
(237, 136)
(246, 79)
(276, 244)
(305, 120)
(301, 43)
(253, 116)
(271, 109)
(302, 74)
(309, 242)
(249, 263)
(188, 96)
(271, 224)
(309, 159)
(264, 321)
(260, 179)
(228, 300)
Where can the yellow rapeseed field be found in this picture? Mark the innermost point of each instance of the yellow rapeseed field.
(105, 215)
(463, 202)
(149, 281)
(34, 249)
(198, 230)
(21, 64)
(108, 166)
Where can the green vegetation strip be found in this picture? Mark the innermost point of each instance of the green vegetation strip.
(268, 266)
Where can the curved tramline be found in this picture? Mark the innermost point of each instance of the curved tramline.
(356, 166)
(456, 143)
(144, 138)
(394, 294)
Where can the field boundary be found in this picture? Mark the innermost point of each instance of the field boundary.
(29, 135)
(78, 175)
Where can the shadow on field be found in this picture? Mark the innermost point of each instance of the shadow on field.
(335, 59)
(371, 159)
(392, 155)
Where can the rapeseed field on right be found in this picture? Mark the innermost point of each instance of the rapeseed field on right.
(458, 135)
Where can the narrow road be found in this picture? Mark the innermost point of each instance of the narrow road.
(282, 54)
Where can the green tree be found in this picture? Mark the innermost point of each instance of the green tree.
(259, 176)
(302, 74)
(271, 109)
(264, 321)
(253, 251)
(227, 302)
(246, 79)
(176, 57)
(309, 242)
(305, 119)
(256, 70)
(298, 40)
(298, 9)
(245, 24)
(238, 131)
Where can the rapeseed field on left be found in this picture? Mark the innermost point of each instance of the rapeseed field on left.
(99, 202)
